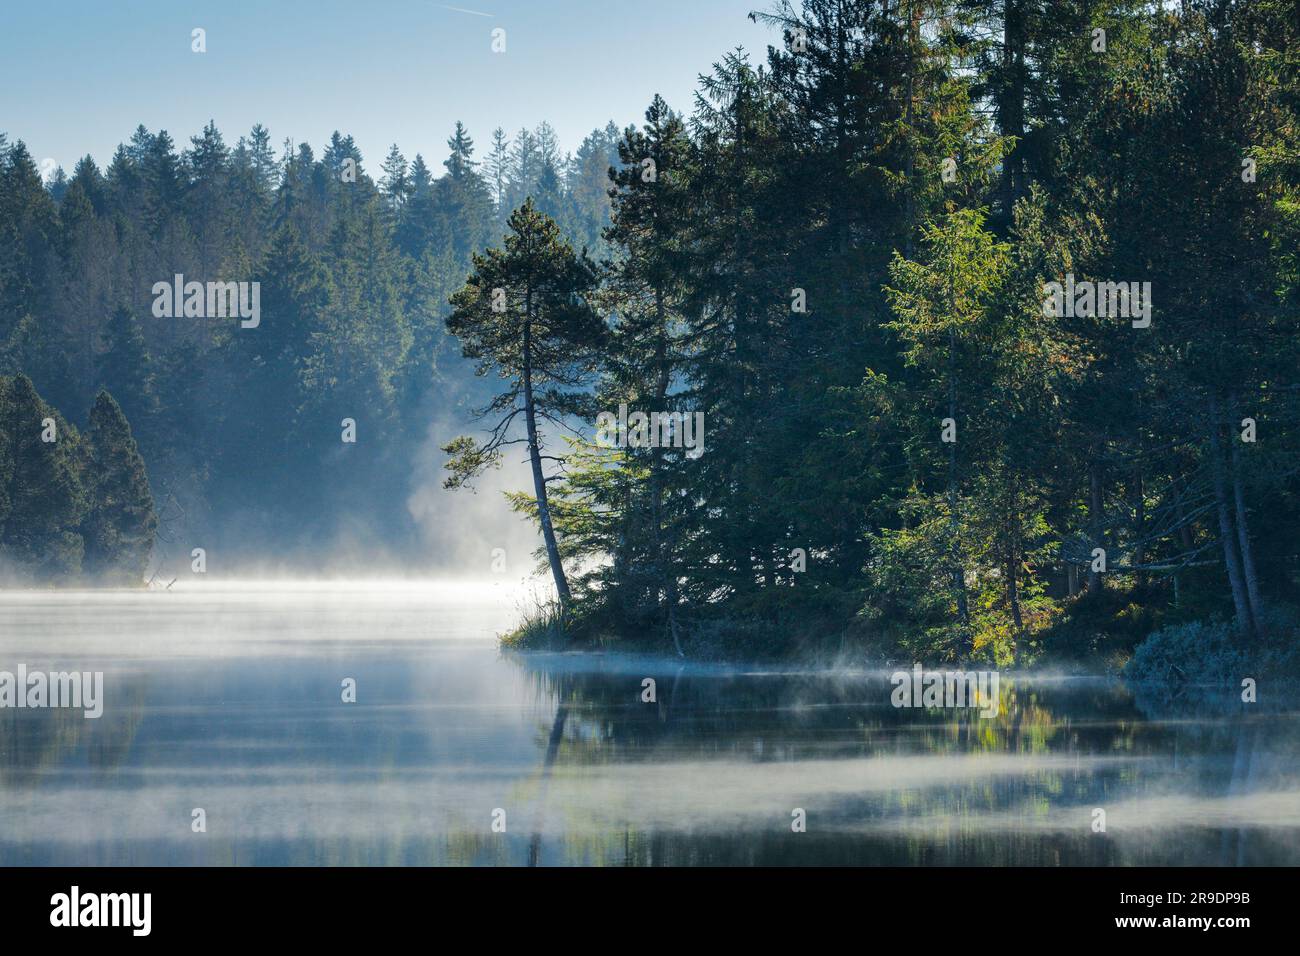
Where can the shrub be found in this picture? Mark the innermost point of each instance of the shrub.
(1212, 652)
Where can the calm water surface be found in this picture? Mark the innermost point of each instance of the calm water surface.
(229, 699)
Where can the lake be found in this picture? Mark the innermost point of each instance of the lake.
(228, 698)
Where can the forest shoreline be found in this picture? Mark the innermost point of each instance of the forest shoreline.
(1204, 653)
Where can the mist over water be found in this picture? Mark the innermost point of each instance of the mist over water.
(226, 696)
(460, 528)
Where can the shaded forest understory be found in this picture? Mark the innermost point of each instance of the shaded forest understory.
(842, 256)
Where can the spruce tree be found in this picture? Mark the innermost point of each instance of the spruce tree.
(498, 171)
(461, 144)
(119, 527)
(396, 184)
(6, 445)
(125, 368)
(47, 499)
(463, 201)
(645, 287)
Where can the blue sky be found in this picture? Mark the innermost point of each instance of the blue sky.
(79, 77)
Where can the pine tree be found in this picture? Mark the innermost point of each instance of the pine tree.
(523, 315)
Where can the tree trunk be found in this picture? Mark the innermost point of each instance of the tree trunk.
(1013, 595)
(1184, 528)
(958, 573)
(1240, 602)
(1248, 573)
(909, 163)
(1011, 102)
(666, 575)
(1140, 521)
(539, 481)
(548, 764)
(1012, 508)
(1096, 520)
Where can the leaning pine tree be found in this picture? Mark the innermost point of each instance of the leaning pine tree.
(523, 314)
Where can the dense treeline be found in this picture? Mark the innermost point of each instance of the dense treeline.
(241, 426)
(72, 506)
(843, 259)
(841, 262)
